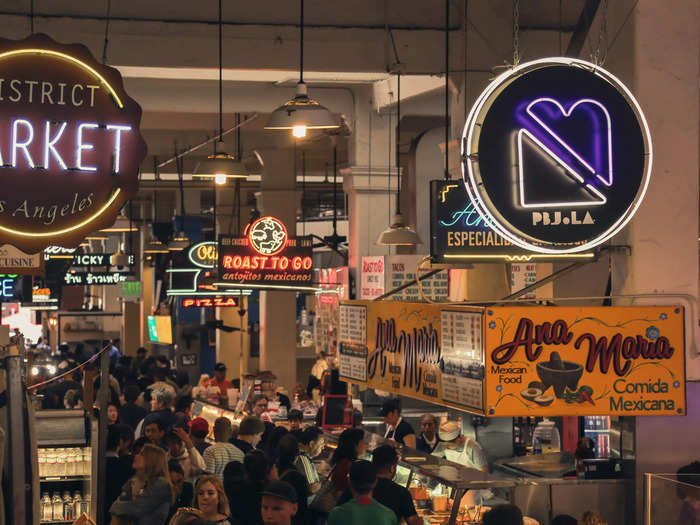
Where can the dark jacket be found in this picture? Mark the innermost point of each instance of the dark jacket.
(150, 507)
(120, 470)
(131, 415)
(245, 499)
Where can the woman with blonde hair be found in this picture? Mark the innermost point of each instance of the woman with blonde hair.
(146, 498)
(592, 517)
(211, 500)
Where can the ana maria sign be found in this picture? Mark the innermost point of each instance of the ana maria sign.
(70, 144)
(557, 155)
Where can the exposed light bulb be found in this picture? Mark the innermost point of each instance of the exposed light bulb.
(220, 179)
(299, 131)
(51, 369)
(35, 371)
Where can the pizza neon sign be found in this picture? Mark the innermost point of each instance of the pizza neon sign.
(209, 302)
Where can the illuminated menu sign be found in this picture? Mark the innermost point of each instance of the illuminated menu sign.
(70, 144)
(96, 259)
(267, 257)
(209, 302)
(7, 286)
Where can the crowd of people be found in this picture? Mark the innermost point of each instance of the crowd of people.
(164, 468)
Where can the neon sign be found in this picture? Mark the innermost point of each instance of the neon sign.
(204, 254)
(70, 145)
(7, 286)
(267, 257)
(580, 153)
(209, 302)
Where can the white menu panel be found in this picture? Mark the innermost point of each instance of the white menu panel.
(463, 358)
(353, 361)
(353, 324)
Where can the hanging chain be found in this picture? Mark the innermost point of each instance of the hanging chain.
(516, 32)
(601, 52)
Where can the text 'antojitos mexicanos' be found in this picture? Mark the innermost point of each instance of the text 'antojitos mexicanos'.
(70, 144)
(586, 361)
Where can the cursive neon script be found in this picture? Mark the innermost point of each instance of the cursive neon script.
(469, 216)
(418, 346)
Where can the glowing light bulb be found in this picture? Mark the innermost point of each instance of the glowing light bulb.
(299, 131)
(51, 369)
(220, 178)
(35, 371)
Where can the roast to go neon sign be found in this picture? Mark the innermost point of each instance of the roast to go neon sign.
(70, 145)
(261, 262)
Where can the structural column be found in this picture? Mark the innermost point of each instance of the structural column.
(280, 198)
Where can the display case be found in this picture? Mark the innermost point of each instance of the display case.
(444, 493)
(65, 465)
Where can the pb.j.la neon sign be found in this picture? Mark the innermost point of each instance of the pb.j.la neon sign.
(70, 145)
(579, 149)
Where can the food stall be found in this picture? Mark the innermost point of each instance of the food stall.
(543, 369)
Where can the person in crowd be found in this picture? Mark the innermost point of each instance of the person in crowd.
(118, 463)
(236, 485)
(689, 477)
(288, 452)
(141, 355)
(272, 443)
(592, 517)
(183, 410)
(219, 380)
(139, 444)
(199, 429)
(428, 439)
(250, 433)
(278, 503)
(396, 428)
(181, 449)
(200, 391)
(503, 515)
(564, 519)
(362, 509)
(184, 491)
(182, 380)
(155, 432)
(161, 405)
(112, 413)
(245, 498)
(308, 440)
(386, 492)
(259, 410)
(351, 445)
(73, 399)
(147, 496)
(161, 381)
(131, 413)
(295, 418)
(217, 456)
(114, 353)
(211, 500)
(268, 386)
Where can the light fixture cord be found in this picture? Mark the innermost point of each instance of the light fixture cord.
(398, 138)
(221, 78)
(301, 43)
(447, 89)
(31, 16)
(106, 43)
(335, 192)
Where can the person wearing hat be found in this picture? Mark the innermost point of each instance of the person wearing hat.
(362, 508)
(396, 428)
(279, 503)
(250, 432)
(199, 429)
(219, 380)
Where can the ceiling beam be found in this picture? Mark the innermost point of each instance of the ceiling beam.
(578, 38)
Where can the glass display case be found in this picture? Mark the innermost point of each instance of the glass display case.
(444, 493)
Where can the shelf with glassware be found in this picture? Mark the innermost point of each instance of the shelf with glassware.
(444, 493)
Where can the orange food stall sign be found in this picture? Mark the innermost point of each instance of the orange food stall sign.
(577, 361)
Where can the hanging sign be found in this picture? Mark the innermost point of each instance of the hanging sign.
(576, 361)
(267, 257)
(96, 259)
(209, 302)
(7, 286)
(16, 261)
(425, 351)
(85, 278)
(70, 145)
(372, 277)
(204, 254)
(557, 155)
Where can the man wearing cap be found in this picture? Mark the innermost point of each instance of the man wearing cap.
(362, 509)
(199, 429)
(396, 428)
(219, 380)
(250, 432)
(279, 503)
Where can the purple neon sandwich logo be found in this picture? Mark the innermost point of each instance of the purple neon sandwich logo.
(588, 163)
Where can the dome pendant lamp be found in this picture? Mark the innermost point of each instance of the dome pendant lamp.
(398, 234)
(301, 113)
(220, 166)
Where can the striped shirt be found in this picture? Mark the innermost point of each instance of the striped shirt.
(219, 455)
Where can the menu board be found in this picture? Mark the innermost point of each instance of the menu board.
(402, 269)
(462, 357)
(425, 351)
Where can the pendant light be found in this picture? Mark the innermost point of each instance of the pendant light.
(398, 234)
(301, 113)
(220, 166)
(154, 245)
(180, 241)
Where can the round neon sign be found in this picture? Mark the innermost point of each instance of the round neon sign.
(557, 155)
(267, 235)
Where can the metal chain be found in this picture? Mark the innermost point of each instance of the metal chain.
(601, 52)
(516, 32)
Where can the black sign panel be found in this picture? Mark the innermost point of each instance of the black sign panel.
(557, 155)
